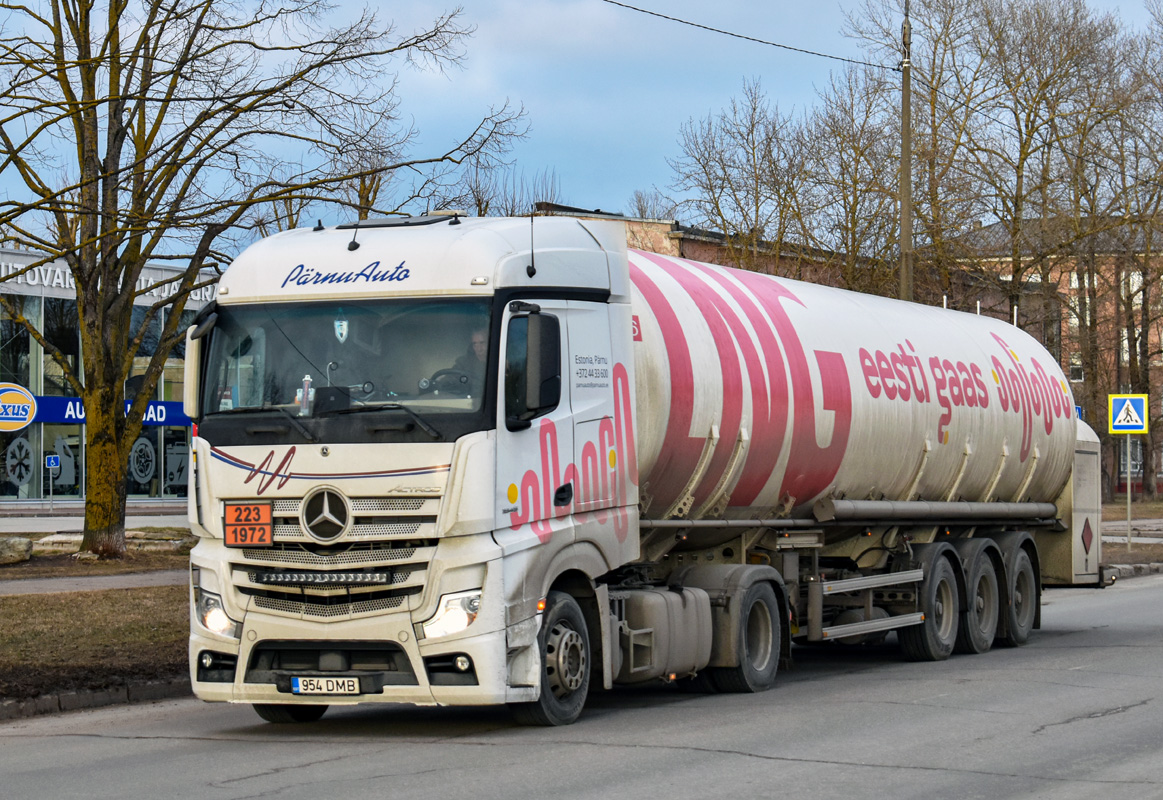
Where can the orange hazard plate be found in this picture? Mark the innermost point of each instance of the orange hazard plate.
(249, 525)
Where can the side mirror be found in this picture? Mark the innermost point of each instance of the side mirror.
(191, 389)
(202, 327)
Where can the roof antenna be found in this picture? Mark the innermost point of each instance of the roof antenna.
(318, 226)
(353, 244)
(531, 270)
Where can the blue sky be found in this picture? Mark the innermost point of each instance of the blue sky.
(607, 89)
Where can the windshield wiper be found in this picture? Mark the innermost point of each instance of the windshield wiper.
(299, 426)
(422, 423)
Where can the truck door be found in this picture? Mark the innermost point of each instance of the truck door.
(534, 424)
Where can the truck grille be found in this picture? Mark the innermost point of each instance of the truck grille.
(298, 609)
(380, 563)
(361, 554)
(290, 508)
(293, 533)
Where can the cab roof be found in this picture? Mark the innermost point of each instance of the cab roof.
(427, 256)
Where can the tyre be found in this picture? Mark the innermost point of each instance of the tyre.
(933, 639)
(978, 624)
(281, 714)
(565, 665)
(758, 644)
(1023, 601)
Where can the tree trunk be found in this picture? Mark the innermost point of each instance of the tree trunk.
(105, 488)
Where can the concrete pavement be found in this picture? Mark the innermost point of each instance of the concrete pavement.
(75, 524)
(93, 583)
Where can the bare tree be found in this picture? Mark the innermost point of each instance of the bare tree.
(142, 130)
(518, 194)
(854, 169)
(742, 171)
(1036, 54)
(1135, 149)
(499, 190)
(652, 204)
(947, 82)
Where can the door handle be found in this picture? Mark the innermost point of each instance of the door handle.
(564, 495)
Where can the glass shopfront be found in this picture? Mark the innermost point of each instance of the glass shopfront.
(158, 461)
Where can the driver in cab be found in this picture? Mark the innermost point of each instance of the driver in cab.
(472, 362)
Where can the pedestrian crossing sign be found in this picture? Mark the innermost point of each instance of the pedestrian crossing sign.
(1127, 413)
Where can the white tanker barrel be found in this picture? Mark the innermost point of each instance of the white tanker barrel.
(757, 396)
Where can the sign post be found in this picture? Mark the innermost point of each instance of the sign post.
(51, 462)
(1127, 414)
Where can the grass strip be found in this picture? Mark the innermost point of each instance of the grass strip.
(91, 640)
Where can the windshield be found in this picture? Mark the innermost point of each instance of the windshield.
(326, 359)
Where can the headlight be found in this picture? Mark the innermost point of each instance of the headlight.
(210, 612)
(454, 613)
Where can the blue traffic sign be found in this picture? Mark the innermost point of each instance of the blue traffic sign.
(52, 462)
(1127, 413)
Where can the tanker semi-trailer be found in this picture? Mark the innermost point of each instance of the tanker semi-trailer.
(444, 460)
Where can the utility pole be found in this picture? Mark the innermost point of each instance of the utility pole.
(906, 176)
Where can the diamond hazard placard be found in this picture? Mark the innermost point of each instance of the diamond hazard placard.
(1127, 413)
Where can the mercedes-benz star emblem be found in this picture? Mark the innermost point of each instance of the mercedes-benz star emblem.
(324, 514)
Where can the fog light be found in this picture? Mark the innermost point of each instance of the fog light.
(207, 660)
(463, 663)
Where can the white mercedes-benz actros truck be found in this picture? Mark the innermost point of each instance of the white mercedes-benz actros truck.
(453, 461)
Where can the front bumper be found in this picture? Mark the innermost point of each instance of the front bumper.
(420, 673)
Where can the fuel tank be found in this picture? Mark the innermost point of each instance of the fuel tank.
(757, 396)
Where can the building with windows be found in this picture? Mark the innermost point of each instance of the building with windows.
(48, 420)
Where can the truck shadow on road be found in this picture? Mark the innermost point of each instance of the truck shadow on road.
(427, 724)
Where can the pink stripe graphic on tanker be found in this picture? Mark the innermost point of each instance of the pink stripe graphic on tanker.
(714, 312)
(810, 468)
(680, 451)
(768, 418)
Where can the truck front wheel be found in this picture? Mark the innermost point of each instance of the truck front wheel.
(274, 712)
(758, 643)
(565, 665)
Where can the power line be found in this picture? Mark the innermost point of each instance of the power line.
(750, 38)
(951, 98)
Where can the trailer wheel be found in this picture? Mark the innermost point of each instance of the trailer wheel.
(758, 643)
(933, 639)
(1023, 601)
(565, 665)
(283, 714)
(979, 622)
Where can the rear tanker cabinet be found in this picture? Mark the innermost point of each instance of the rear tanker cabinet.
(455, 461)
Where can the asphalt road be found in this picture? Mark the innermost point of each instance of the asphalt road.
(1078, 713)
